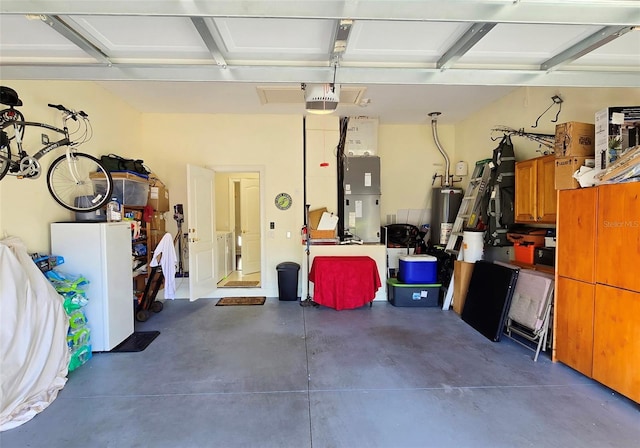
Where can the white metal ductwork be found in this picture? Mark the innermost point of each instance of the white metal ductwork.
(321, 98)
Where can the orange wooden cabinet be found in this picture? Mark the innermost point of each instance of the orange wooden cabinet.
(597, 312)
(535, 194)
(618, 236)
(576, 233)
(616, 340)
(574, 324)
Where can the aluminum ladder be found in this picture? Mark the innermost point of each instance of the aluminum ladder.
(467, 216)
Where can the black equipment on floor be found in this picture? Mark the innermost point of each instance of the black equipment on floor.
(148, 300)
(489, 297)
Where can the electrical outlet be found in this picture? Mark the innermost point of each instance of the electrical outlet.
(272, 225)
(45, 139)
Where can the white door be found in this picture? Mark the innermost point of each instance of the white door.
(250, 216)
(202, 238)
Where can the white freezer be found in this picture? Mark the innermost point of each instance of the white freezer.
(101, 252)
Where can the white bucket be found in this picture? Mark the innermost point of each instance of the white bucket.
(473, 246)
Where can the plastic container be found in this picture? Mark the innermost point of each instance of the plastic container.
(114, 213)
(473, 246)
(288, 280)
(96, 215)
(418, 269)
(129, 190)
(524, 253)
(399, 294)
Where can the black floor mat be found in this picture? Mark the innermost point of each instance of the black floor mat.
(137, 342)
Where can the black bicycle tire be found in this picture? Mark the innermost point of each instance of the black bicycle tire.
(106, 195)
(4, 167)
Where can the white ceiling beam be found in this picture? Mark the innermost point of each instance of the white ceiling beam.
(206, 36)
(591, 12)
(74, 36)
(345, 75)
(585, 46)
(471, 37)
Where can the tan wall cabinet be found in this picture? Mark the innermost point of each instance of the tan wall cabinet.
(597, 313)
(535, 195)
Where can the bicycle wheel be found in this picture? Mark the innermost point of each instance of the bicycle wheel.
(79, 183)
(5, 158)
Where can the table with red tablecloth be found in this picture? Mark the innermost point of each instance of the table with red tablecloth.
(344, 282)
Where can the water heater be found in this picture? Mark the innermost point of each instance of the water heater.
(445, 203)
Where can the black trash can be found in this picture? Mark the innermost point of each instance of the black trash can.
(288, 280)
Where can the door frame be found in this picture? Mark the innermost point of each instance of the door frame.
(260, 170)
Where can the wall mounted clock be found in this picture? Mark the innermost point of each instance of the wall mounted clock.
(283, 201)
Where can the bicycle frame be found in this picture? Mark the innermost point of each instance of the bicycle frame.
(46, 149)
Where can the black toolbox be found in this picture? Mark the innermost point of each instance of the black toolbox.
(545, 256)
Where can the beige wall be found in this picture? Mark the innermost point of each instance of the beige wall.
(520, 110)
(323, 135)
(408, 160)
(26, 207)
(268, 143)
(273, 144)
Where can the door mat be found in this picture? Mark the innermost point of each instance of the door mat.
(241, 283)
(233, 301)
(137, 342)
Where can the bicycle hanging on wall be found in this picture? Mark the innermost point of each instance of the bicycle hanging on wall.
(77, 181)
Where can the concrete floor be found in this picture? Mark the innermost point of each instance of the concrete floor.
(281, 375)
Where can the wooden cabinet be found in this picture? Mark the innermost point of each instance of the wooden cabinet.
(616, 340)
(535, 195)
(618, 236)
(574, 324)
(576, 229)
(597, 312)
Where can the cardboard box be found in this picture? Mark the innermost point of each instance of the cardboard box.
(617, 128)
(461, 277)
(574, 139)
(158, 222)
(158, 197)
(314, 220)
(565, 167)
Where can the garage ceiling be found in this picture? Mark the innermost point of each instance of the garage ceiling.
(397, 59)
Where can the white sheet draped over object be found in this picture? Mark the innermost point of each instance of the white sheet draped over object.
(34, 357)
(168, 263)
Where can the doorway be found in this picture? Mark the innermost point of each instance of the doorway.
(238, 225)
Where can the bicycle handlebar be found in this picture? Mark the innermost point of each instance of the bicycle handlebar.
(72, 114)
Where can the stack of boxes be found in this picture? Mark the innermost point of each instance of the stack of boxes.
(616, 130)
(416, 284)
(158, 200)
(596, 146)
(574, 147)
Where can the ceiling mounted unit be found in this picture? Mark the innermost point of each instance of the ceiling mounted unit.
(321, 98)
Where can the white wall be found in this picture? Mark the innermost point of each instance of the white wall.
(26, 207)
